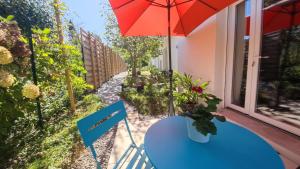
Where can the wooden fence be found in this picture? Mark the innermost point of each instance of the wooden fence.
(100, 61)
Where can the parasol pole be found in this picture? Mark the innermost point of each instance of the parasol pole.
(171, 104)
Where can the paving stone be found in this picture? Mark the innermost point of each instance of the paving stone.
(112, 145)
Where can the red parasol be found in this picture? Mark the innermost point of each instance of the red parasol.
(164, 18)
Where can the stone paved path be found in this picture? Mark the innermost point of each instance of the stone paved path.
(111, 146)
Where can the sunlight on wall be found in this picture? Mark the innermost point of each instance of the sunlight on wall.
(196, 53)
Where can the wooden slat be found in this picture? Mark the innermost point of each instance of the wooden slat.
(93, 61)
(100, 61)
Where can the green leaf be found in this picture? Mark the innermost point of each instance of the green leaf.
(205, 127)
(10, 17)
(204, 85)
(51, 61)
(45, 54)
(220, 118)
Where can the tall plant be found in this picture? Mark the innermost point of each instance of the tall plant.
(51, 65)
(16, 91)
(57, 8)
(137, 51)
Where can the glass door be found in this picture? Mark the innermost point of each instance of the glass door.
(239, 52)
(263, 61)
(275, 96)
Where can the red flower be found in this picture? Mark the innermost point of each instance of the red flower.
(197, 89)
(194, 89)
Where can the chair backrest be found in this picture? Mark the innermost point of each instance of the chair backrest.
(98, 123)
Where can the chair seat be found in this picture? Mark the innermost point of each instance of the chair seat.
(96, 124)
(134, 158)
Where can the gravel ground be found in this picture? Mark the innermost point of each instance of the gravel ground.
(103, 146)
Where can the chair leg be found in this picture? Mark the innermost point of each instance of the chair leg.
(95, 156)
(98, 165)
(127, 152)
(130, 136)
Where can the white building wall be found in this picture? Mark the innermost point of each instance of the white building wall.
(197, 52)
(162, 62)
(203, 53)
(221, 55)
(175, 54)
(155, 62)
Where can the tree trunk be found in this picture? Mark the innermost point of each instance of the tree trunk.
(133, 68)
(56, 4)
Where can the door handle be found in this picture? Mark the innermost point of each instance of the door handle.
(263, 57)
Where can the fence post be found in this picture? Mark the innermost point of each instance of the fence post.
(96, 59)
(105, 62)
(92, 60)
(102, 63)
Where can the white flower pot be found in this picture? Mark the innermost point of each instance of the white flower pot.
(194, 134)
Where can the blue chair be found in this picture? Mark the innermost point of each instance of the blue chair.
(95, 125)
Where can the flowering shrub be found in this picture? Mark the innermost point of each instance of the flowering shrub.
(2, 35)
(6, 79)
(31, 91)
(14, 53)
(5, 56)
(14, 57)
(18, 118)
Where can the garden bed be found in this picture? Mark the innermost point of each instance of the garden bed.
(148, 93)
(56, 145)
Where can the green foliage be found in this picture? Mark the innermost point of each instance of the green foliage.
(194, 102)
(203, 116)
(152, 98)
(12, 103)
(90, 101)
(137, 51)
(50, 69)
(21, 143)
(184, 93)
(28, 13)
(54, 147)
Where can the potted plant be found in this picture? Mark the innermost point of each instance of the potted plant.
(198, 106)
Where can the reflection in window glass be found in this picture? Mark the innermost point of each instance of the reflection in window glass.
(240, 54)
(278, 94)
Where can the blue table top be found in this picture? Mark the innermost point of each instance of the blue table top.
(168, 147)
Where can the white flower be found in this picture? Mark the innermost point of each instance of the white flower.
(5, 56)
(6, 79)
(31, 91)
(2, 35)
(202, 102)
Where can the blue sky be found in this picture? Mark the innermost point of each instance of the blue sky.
(248, 7)
(86, 14)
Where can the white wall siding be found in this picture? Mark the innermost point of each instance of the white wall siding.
(203, 53)
(196, 53)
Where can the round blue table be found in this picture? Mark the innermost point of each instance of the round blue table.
(168, 147)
